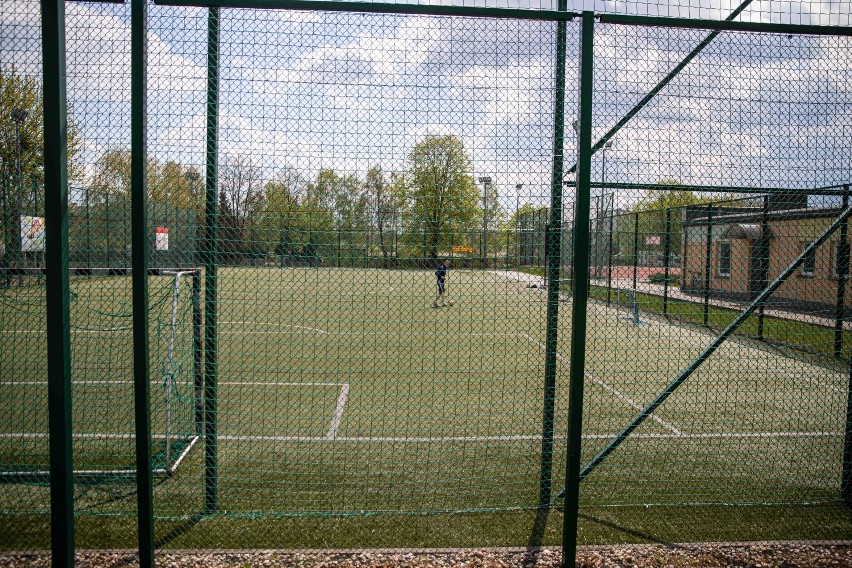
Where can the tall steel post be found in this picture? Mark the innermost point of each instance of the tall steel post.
(842, 256)
(211, 361)
(139, 263)
(552, 255)
(57, 291)
(581, 293)
(635, 248)
(708, 254)
(763, 259)
(667, 253)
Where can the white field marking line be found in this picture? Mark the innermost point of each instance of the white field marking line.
(159, 382)
(338, 412)
(270, 324)
(439, 439)
(43, 332)
(523, 437)
(629, 401)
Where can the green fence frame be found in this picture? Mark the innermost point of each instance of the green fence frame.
(56, 213)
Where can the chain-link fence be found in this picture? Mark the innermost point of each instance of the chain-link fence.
(402, 275)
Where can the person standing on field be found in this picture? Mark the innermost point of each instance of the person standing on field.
(441, 275)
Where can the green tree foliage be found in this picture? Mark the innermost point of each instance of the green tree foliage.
(22, 156)
(172, 183)
(23, 93)
(387, 199)
(443, 195)
(284, 217)
(652, 217)
(338, 216)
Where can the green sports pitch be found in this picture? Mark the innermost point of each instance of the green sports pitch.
(345, 392)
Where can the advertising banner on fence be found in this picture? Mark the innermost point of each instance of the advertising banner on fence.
(32, 233)
(162, 238)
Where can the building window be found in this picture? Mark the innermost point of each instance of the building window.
(724, 258)
(809, 263)
(835, 260)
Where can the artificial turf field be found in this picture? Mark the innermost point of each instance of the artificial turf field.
(343, 393)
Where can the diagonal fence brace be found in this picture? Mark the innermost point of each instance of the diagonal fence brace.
(663, 82)
(710, 349)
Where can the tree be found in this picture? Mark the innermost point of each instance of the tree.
(112, 174)
(22, 157)
(345, 199)
(283, 213)
(387, 204)
(652, 215)
(444, 196)
(241, 187)
(23, 93)
(178, 185)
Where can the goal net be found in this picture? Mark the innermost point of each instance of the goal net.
(101, 375)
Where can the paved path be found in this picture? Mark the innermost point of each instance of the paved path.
(676, 294)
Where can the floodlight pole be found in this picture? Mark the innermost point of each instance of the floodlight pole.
(518, 188)
(598, 208)
(485, 181)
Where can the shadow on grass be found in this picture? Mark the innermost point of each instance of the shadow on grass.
(642, 536)
(179, 530)
(536, 536)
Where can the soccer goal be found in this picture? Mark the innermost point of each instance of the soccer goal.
(102, 376)
(626, 298)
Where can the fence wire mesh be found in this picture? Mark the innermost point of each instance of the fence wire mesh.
(375, 278)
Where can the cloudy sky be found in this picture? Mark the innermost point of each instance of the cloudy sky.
(346, 91)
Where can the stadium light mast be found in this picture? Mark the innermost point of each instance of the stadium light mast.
(192, 178)
(598, 206)
(485, 181)
(19, 116)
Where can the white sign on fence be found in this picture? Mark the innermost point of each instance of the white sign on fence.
(162, 238)
(32, 233)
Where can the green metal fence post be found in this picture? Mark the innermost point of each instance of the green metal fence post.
(211, 262)
(611, 222)
(708, 253)
(551, 273)
(581, 293)
(139, 264)
(88, 231)
(842, 259)
(846, 481)
(57, 292)
(106, 228)
(667, 250)
(198, 352)
(763, 259)
(635, 247)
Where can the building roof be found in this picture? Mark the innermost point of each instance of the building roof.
(751, 231)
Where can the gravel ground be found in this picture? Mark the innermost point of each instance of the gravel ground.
(756, 555)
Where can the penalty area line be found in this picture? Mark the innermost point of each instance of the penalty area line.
(315, 329)
(338, 412)
(444, 439)
(623, 397)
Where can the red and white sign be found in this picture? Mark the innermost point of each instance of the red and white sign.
(162, 238)
(653, 240)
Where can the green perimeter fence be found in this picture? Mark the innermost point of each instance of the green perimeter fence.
(224, 321)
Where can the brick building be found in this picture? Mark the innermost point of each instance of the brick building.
(750, 246)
